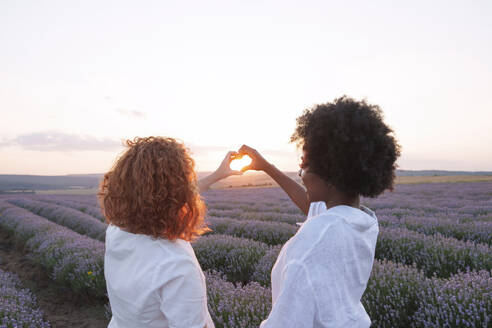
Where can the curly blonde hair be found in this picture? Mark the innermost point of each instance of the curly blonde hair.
(152, 190)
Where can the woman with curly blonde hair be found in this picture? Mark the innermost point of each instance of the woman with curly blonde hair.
(152, 204)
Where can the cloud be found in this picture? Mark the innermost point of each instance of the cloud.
(57, 141)
(131, 113)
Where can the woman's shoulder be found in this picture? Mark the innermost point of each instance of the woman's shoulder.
(319, 225)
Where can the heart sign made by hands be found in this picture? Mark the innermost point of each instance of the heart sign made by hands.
(240, 162)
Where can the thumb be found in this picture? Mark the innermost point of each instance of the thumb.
(237, 172)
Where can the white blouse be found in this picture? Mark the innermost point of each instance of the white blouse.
(322, 272)
(153, 282)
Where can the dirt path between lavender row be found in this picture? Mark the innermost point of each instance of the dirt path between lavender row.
(61, 307)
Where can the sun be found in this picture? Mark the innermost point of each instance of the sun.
(239, 163)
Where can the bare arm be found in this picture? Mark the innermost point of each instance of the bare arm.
(223, 171)
(295, 191)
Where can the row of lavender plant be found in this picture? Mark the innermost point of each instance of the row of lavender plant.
(255, 208)
(233, 256)
(458, 201)
(82, 207)
(71, 259)
(258, 216)
(271, 233)
(18, 307)
(434, 254)
(90, 200)
(68, 217)
(475, 231)
(463, 300)
(248, 196)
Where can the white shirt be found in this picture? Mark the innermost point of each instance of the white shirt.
(322, 271)
(153, 282)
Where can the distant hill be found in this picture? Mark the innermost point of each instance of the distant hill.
(250, 179)
(41, 182)
(428, 173)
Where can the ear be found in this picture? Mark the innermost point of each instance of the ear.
(322, 185)
(331, 188)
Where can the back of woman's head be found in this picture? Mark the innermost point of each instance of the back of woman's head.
(152, 190)
(347, 144)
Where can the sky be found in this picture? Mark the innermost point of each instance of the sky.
(77, 78)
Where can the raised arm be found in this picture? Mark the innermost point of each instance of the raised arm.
(223, 171)
(295, 191)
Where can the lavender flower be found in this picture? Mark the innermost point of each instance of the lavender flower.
(233, 256)
(435, 255)
(264, 268)
(18, 307)
(271, 233)
(463, 300)
(232, 306)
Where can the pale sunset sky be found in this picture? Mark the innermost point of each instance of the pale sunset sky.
(78, 77)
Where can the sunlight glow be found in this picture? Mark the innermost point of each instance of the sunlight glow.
(240, 163)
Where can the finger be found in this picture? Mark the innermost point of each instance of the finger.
(245, 150)
(246, 168)
(231, 154)
(236, 155)
(236, 173)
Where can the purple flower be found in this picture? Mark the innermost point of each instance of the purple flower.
(18, 307)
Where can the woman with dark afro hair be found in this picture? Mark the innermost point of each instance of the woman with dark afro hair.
(321, 273)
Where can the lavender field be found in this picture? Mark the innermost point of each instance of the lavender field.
(433, 263)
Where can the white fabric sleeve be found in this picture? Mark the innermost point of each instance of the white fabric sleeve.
(295, 305)
(183, 295)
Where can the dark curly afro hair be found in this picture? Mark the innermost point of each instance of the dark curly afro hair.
(349, 146)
